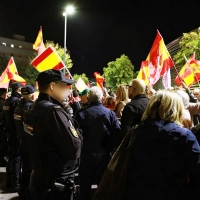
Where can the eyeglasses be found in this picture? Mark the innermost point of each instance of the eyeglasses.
(130, 86)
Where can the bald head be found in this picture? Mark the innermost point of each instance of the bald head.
(137, 86)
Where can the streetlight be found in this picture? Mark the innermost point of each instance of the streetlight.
(68, 11)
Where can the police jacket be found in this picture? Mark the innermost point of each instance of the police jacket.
(133, 112)
(165, 163)
(8, 109)
(100, 128)
(18, 117)
(2, 120)
(53, 142)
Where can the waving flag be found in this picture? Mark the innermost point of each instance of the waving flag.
(10, 73)
(158, 60)
(190, 72)
(39, 44)
(48, 59)
(144, 72)
(99, 80)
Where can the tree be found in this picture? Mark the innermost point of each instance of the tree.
(60, 51)
(83, 76)
(120, 71)
(189, 43)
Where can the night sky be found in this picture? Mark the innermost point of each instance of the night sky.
(100, 31)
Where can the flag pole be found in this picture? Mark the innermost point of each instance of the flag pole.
(191, 69)
(68, 72)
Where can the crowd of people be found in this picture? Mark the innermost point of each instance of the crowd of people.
(44, 140)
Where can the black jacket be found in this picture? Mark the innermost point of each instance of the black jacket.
(8, 109)
(133, 112)
(52, 144)
(165, 163)
(101, 129)
(18, 117)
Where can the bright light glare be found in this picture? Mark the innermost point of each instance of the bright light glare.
(70, 10)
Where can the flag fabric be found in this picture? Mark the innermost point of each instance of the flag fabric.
(80, 85)
(10, 73)
(186, 73)
(144, 72)
(99, 80)
(158, 60)
(39, 44)
(167, 79)
(48, 59)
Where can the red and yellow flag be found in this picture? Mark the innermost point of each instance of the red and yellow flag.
(99, 80)
(190, 72)
(158, 60)
(48, 59)
(144, 72)
(39, 45)
(10, 73)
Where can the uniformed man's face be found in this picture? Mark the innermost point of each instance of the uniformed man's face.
(59, 91)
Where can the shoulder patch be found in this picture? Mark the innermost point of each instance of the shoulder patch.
(6, 107)
(73, 131)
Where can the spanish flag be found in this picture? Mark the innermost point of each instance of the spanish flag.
(159, 60)
(10, 73)
(48, 59)
(190, 72)
(38, 40)
(99, 80)
(144, 72)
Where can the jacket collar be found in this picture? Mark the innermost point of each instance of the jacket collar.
(44, 96)
(96, 103)
(139, 96)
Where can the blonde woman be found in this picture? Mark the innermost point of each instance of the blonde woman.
(121, 100)
(165, 162)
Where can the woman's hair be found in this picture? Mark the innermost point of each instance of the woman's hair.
(122, 94)
(165, 105)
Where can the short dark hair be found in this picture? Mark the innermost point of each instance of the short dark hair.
(75, 93)
(43, 87)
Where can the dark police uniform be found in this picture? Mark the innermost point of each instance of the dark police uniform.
(54, 143)
(14, 162)
(3, 138)
(23, 106)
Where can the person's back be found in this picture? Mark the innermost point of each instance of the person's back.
(97, 124)
(165, 160)
(101, 133)
(134, 110)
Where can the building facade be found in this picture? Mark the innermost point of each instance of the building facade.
(16, 47)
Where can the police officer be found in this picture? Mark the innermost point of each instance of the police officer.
(54, 142)
(14, 160)
(3, 139)
(28, 94)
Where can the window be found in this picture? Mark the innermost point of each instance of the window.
(3, 44)
(12, 45)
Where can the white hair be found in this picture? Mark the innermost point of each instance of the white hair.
(185, 97)
(95, 94)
